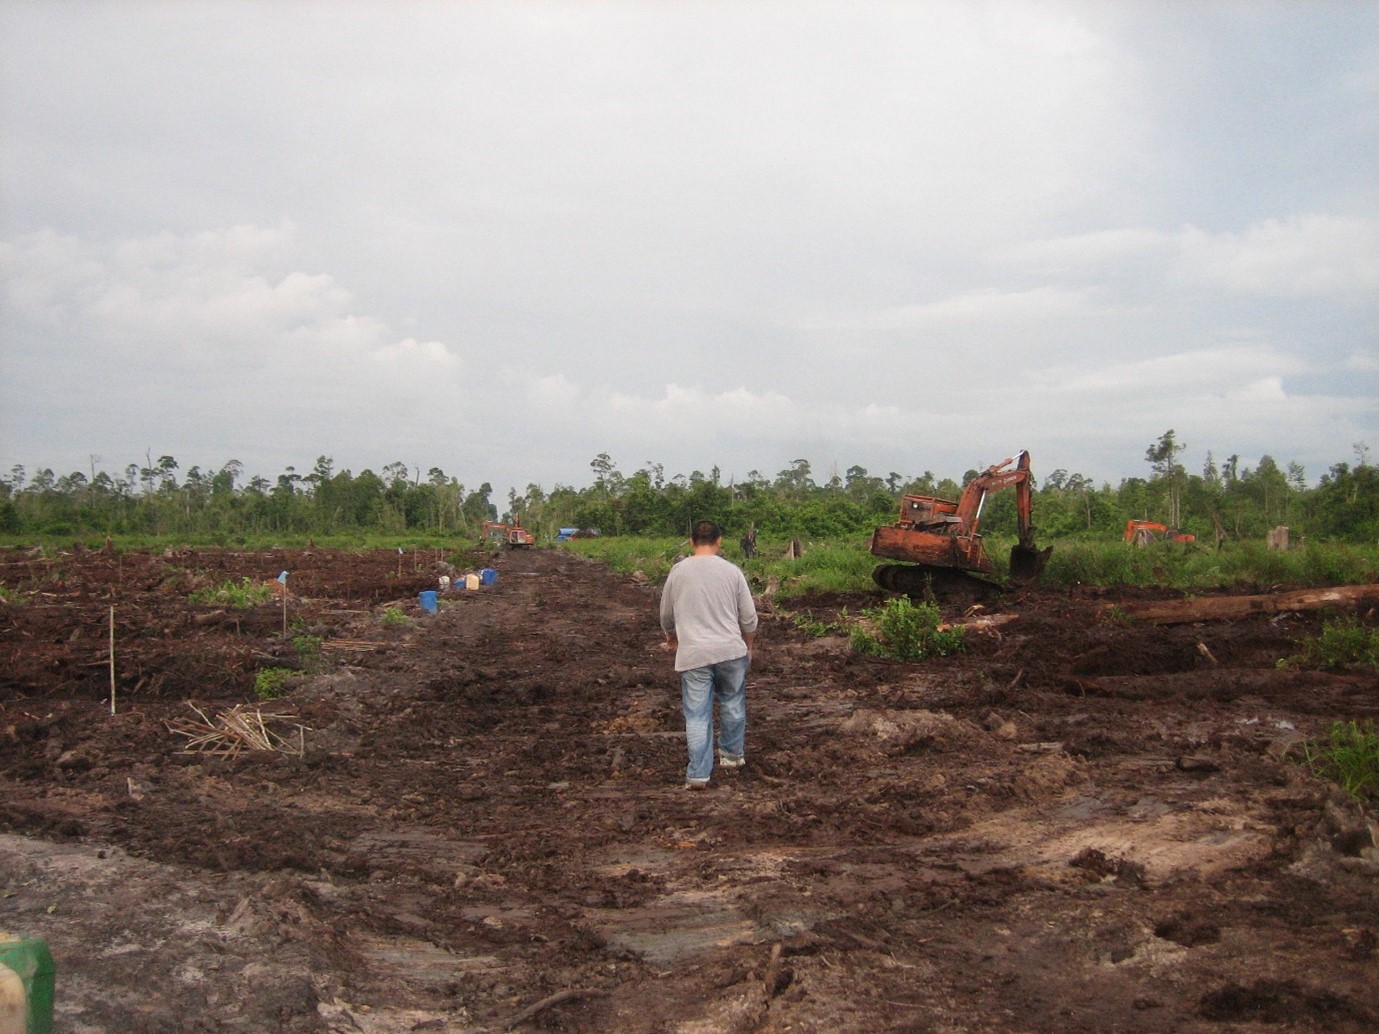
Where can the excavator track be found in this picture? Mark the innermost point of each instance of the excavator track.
(923, 581)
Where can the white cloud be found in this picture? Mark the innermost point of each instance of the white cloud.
(1310, 255)
(978, 309)
(184, 339)
(1194, 374)
(410, 353)
(1266, 389)
(1086, 251)
(553, 395)
(679, 415)
(205, 298)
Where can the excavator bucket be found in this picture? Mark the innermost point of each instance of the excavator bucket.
(1027, 563)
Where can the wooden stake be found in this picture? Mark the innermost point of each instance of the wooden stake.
(112, 659)
(284, 608)
(772, 977)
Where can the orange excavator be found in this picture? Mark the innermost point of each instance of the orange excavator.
(1141, 533)
(513, 535)
(937, 537)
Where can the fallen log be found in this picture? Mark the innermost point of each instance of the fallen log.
(1228, 608)
(983, 623)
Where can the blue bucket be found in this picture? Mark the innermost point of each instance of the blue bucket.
(487, 576)
(428, 602)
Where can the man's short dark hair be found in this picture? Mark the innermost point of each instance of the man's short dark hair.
(705, 533)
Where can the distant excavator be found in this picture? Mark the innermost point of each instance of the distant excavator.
(938, 538)
(1141, 533)
(513, 535)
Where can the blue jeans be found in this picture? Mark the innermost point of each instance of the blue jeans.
(726, 680)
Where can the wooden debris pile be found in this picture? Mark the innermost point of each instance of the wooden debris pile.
(356, 645)
(239, 729)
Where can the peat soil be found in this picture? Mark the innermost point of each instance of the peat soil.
(1081, 823)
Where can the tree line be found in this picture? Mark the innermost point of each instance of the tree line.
(1226, 500)
(153, 500)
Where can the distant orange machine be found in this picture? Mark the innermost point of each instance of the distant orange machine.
(1141, 533)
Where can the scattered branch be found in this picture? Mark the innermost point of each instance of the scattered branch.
(240, 728)
(559, 998)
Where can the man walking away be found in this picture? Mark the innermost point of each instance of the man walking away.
(710, 621)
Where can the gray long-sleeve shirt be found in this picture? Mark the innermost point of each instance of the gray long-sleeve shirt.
(707, 606)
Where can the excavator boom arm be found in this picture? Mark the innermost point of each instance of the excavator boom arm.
(994, 479)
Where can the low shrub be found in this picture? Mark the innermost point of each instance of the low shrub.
(904, 631)
(239, 595)
(392, 617)
(271, 683)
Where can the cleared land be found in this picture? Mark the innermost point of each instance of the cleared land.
(1082, 823)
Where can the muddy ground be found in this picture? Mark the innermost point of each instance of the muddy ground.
(1079, 824)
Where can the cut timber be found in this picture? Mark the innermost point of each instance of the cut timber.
(1227, 608)
(984, 623)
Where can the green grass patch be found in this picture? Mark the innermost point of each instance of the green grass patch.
(239, 595)
(271, 683)
(844, 564)
(653, 557)
(1196, 565)
(826, 565)
(1349, 757)
(811, 626)
(830, 565)
(1342, 642)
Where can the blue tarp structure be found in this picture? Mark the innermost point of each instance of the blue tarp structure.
(566, 534)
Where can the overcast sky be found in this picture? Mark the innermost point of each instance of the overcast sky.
(502, 238)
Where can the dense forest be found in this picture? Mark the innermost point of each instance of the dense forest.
(1226, 500)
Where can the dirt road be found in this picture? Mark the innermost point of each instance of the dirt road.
(1079, 824)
